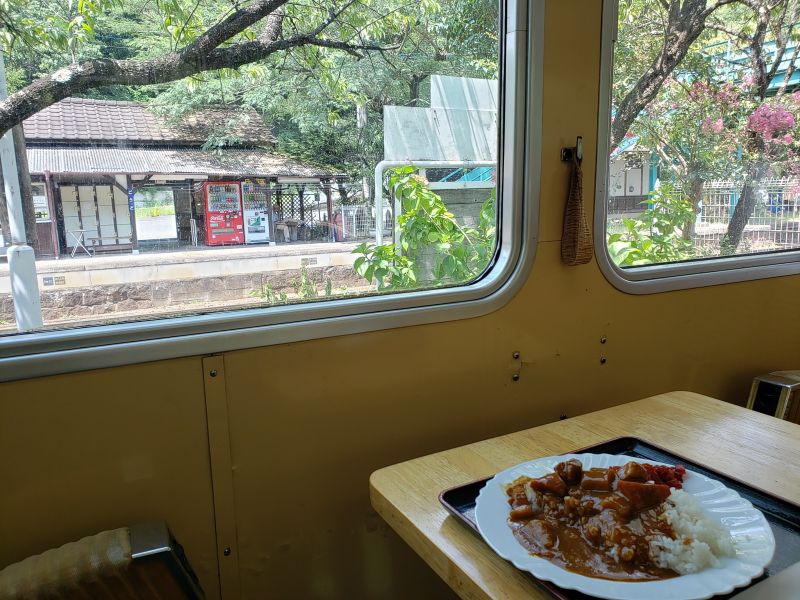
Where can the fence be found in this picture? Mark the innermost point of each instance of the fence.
(774, 224)
(335, 213)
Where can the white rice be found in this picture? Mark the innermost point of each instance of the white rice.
(700, 542)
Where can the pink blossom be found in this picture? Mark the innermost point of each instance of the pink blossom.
(711, 125)
(748, 80)
(770, 121)
(727, 94)
(787, 139)
(698, 88)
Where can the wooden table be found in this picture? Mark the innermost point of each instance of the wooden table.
(761, 450)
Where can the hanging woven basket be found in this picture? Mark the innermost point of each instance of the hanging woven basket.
(576, 239)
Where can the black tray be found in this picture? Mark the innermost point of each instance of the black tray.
(783, 516)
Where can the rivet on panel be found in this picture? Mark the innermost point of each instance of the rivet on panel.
(213, 372)
(603, 340)
(603, 360)
(515, 377)
(515, 356)
(227, 550)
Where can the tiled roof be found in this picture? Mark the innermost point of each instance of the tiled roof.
(166, 161)
(130, 123)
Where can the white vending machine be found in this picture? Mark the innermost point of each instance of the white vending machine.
(255, 204)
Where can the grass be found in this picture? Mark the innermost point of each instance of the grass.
(155, 211)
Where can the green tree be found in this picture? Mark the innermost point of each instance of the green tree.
(655, 37)
(433, 249)
(312, 95)
(195, 39)
(657, 235)
(718, 113)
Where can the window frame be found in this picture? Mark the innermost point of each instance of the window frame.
(652, 279)
(26, 355)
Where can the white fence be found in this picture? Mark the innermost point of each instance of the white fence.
(774, 224)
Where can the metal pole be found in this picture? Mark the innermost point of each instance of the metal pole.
(21, 259)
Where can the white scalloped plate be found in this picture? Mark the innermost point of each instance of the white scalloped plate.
(751, 533)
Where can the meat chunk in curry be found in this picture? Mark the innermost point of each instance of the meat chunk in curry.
(595, 522)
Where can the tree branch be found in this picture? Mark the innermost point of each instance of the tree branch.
(781, 40)
(685, 23)
(717, 5)
(757, 50)
(789, 70)
(664, 142)
(274, 26)
(722, 29)
(204, 54)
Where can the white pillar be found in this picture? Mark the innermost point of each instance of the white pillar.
(21, 259)
(361, 123)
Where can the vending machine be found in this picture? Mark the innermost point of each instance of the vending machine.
(224, 224)
(255, 203)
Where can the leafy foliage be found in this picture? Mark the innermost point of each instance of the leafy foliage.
(310, 95)
(270, 296)
(383, 264)
(657, 235)
(305, 290)
(434, 249)
(723, 114)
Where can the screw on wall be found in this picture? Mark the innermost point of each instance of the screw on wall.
(226, 551)
(213, 372)
(516, 366)
(603, 340)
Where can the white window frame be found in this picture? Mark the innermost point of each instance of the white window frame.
(26, 355)
(653, 279)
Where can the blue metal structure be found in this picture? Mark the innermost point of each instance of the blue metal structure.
(470, 175)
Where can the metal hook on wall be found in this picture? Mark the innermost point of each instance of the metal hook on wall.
(577, 151)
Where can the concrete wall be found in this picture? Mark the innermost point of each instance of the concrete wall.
(193, 264)
(465, 204)
(174, 294)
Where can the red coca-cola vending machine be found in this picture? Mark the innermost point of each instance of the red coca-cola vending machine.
(223, 204)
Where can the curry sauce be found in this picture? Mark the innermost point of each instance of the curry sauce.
(596, 522)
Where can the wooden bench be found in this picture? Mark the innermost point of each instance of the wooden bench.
(97, 245)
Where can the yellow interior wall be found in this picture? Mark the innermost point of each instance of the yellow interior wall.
(309, 421)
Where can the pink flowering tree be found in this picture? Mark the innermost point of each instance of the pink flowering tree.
(710, 120)
(690, 127)
(769, 131)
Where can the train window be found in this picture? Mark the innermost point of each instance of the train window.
(699, 168)
(202, 177)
